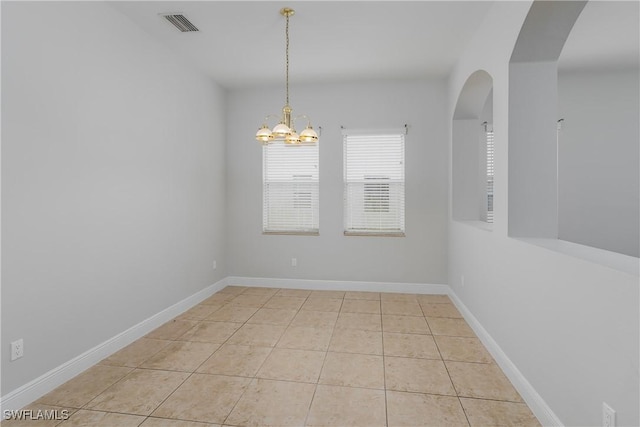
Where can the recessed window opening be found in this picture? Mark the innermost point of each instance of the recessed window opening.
(374, 181)
(473, 152)
(290, 189)
(488, 141)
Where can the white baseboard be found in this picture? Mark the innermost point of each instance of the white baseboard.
(42, 385)
(340, 285)
(536, 403)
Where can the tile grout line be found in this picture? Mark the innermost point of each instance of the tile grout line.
(192, 373)
(257, 370)
(447, 369)
(384, 368)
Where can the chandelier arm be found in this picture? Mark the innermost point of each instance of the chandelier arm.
(303, 116)
(269, 116)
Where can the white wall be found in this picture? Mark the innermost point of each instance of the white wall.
(113, 181)
(598, 152)
(420, 257)
(570, 326)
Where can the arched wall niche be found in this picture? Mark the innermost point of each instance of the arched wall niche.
(533, 115)
(473, 107)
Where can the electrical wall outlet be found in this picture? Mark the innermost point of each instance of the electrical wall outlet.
(17, 349)
(294, 262)
(608, 416)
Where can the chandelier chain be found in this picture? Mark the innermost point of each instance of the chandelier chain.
(287, 58)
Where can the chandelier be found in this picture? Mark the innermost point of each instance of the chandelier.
(285, 129)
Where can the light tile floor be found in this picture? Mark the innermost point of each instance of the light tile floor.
(289, 357)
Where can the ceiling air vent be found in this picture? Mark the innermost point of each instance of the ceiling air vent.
(180, 22)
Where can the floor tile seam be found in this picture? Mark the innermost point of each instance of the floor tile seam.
(458, 393)
(255, 375)
(384, 369)
(354, 352)
(413, 357)
(107, 388)
(453, 396)
(448, 373)
(170, 370)
(402, 314)
(283, 380)
(313, 396)
(294, 381)
(464, 411)
(518, 402)
(407, 333)
(313, 327)
(470, 361)
(252, 380)
(227, 340)
(238, 400)
(324, 361)
(319, 311)
(358, 312)
(177, 419)
(111, 412)
(352, 386)
(454, 336)
(282, 334)
(209, 357)
(58, 405)
(39, 402)
(170, 394)
(436, 302)
(444, 317)
(361, 329)
(451, 379)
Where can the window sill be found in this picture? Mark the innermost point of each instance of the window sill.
(291, 233)
(482, 225)
(614, 260)
(374, 234)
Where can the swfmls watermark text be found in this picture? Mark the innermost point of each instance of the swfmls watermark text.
(36, 414)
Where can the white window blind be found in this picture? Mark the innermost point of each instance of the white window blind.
(489, 141)
(374, 183)
(290, 180)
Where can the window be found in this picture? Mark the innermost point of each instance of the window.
(374, 183)
(290, 189)
(489, 144)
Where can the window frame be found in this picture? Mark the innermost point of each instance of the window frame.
(388, 184)
(300, 192)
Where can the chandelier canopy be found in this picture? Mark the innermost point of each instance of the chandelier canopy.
(285, 129)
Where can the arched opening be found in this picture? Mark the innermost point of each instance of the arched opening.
(472, 152)
(573, 126)
(533, 115)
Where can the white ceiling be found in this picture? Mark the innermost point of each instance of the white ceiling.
(241, 43)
